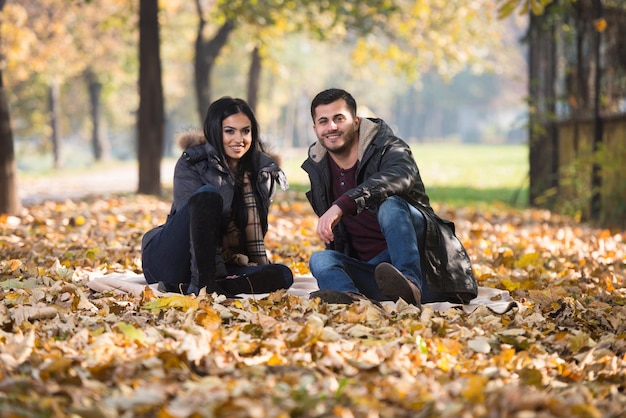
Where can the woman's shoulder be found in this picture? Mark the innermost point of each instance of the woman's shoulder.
(269, 158)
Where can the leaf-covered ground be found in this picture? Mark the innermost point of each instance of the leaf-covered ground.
(67, 351)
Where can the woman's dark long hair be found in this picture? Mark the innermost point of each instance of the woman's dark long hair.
(220, 110)
(217, 112)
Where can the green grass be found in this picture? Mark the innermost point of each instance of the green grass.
(455, 174)
(460, 173)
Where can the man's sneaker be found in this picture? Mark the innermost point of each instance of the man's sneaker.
(394, 285)
(333, 296)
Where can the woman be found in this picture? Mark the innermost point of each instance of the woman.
(213, 236)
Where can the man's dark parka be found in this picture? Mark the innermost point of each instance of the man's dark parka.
(386, 167)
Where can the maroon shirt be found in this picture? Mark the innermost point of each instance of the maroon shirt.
(363, 230)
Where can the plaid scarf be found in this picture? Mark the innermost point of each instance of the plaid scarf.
(255, 253)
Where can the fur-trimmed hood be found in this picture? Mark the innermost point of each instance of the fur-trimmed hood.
(190, 138)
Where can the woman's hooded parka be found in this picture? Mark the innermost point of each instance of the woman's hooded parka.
(200, 164)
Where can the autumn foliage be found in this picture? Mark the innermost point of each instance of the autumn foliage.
(68, 350)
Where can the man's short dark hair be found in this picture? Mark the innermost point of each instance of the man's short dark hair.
(331, 95)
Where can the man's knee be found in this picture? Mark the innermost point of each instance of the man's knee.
(321, 260)
(394, 211)
(394, 202)
(316, 261)
(391, 208)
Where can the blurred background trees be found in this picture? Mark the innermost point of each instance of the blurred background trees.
(54, 45)
(436, 70)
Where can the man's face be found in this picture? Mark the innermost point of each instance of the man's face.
(335, 127)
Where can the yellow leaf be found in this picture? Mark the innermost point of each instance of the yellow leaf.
(147, 294)
(131, 332)
(505, 357)
(209, 318)
(609, 285)
(600, 24)
(531, 377)
(510, 285)
(528, 260)
(451, 346)
(444, 363)
(537, 7)
(474, 391)
(307, 334)
(175, 301)
(586, 410)
(578, 340)
(91, 253)
(14, 264)
(274, 360)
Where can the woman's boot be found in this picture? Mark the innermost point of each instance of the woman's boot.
(205, 209)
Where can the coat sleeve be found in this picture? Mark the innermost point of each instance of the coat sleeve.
(389, 170)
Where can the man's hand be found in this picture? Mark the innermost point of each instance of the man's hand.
(327, 222)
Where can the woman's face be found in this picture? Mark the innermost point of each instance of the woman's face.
(236, 137)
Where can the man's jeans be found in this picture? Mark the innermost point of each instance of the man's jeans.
(404, 229)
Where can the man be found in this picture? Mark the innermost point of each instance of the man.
(383, 239)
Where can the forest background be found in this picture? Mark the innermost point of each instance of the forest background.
(463, 80)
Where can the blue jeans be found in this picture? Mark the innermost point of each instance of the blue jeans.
(403, 227)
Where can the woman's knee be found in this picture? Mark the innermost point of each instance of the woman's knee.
(207, 188)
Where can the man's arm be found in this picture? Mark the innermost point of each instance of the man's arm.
(327, 222)
(397, 175)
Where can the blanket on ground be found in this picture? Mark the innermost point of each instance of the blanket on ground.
(496, 300)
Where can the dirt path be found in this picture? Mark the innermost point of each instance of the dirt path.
(65, 185)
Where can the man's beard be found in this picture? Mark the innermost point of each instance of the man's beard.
(349, 138)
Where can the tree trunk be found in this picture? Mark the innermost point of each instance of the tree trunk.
(99, 143)
(543, 150)
(55, 114)
(9, 200)
(207, 52)
(598, 127)
(151, 113)
(254, 77)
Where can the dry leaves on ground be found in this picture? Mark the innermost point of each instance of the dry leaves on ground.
(66, 350)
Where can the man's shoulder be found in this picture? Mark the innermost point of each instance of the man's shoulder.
(378, 133)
